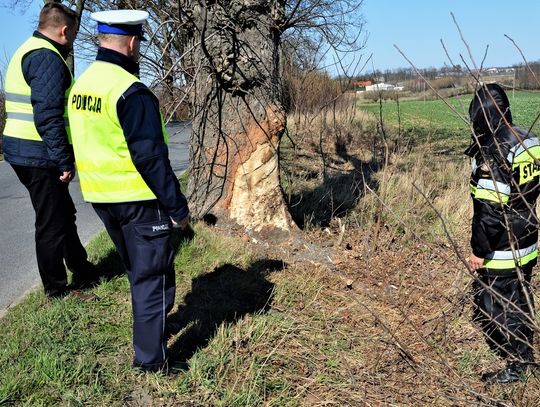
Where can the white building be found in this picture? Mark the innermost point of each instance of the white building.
(379, 86)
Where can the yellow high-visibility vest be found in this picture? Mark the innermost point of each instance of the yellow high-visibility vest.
(106, 171)
(19, 112)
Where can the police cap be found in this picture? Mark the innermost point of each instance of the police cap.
(121, 22)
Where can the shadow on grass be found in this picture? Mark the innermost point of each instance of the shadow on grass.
(223, 296)
(339, 192)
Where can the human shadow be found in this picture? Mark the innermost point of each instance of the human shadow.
(224, 295)
(339, 192)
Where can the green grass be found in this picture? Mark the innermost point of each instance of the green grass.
(430, 117)
(437, 120)
(254, 333)
(183, 180)
(71, 352)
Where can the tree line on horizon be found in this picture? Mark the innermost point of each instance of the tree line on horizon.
(521, 76)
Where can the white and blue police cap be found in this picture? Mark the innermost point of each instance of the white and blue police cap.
(121, 22)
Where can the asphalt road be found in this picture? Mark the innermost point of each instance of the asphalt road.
(18, 268)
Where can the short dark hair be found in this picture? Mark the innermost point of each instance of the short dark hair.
(119, 39)
(56, 15)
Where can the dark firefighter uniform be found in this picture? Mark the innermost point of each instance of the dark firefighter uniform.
(122, 159)
(504, 188)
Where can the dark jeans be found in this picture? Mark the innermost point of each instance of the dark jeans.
(503, 311)
(56, 233)
(142, 234)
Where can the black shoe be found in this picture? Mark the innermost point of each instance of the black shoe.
(89, 278)
(149, 368)
(85, 276)
(170, 367)
(175, 367)
(161, 368)
(84, 284)
(57, 293)
(514, 372)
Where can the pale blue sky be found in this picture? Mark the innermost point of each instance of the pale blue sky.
(416, 26)
(15, 27)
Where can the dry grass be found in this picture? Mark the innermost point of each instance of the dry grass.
(398, 290)
(414, 192)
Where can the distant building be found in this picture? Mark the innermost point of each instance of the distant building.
(380, 86)
(362, 84)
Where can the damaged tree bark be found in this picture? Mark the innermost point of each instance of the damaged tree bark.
(238, 118)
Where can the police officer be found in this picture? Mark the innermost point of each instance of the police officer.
(36, 146)
(504, 241)
(122, 158)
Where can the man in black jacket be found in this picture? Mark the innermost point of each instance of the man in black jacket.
(36, 145)
(504, 241)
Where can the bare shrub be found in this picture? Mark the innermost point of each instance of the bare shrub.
(526, 75)
(443, 83)
(323, 166)
(405, 212)
(447, 82)
(307, 92)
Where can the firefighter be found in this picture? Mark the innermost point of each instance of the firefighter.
(121, 154)
(504, 239)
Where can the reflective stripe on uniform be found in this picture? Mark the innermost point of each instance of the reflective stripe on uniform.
(509, 254)
(27, 117)
(504, 259)
(125, 183)
(17, 97)
(488, 195)
(529, 146)
(494, 186)
(529, 155)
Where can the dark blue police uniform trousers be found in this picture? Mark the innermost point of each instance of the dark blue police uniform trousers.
(142, 234)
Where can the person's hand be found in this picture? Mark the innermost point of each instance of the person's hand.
(67, 176)
(181, 224)
(475, 262)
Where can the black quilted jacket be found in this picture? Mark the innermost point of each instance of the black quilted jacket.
(48, 77)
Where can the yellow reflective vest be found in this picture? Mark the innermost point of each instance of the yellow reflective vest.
(19, 111)
(106, 171)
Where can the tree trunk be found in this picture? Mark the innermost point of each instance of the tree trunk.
(79, 10)
(238, 118)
